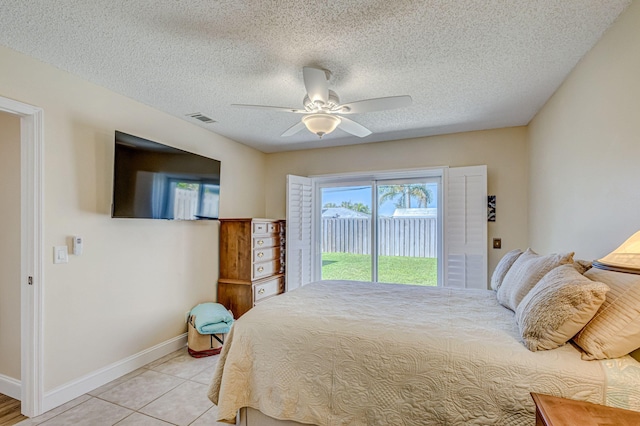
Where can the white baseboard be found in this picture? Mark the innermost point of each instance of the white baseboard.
(10, 387)
(93, 380)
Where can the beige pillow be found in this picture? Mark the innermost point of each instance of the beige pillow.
(582, 266)
(526, 271)
(558, 307)
(503, 267)
(615, 329)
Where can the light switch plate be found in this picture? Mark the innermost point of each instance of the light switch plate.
(60, 254)
(497, 243)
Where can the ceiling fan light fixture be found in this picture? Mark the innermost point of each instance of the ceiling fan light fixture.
(321, 105)
(321, 124)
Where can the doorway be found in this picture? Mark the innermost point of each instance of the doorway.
(10, 255)
(31, 253)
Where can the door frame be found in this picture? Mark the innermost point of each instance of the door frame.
(31, 253)
(355, 178)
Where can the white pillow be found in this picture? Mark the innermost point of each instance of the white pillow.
(525, 272)
(503, 267)
(558, 307)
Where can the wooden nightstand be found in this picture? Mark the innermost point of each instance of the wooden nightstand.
(554, 411)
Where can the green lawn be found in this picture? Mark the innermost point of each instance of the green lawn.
(391, 269)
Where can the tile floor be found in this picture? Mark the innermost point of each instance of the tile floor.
(169, 391)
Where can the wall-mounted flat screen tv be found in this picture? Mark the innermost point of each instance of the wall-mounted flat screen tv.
(156, 181)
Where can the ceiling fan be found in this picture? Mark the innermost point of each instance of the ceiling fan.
(323, 112)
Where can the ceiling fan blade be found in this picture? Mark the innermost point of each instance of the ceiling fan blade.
(377, 104)
(354, 128)
(294, 129)
(270, 108)
(315, 81)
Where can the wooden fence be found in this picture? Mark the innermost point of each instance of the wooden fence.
(408, 236)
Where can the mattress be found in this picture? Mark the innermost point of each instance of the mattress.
(360, 353)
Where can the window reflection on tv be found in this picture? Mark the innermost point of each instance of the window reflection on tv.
(156, 181)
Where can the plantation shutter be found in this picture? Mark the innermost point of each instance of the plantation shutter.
(299, 235)
(465, 258)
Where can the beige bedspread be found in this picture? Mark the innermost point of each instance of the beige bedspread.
(351, 353)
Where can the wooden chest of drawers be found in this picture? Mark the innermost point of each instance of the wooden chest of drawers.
(251, 262)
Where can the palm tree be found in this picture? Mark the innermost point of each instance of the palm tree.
(403, 194)
(356, 207)
(360, 207)
(393, 192)
(421, 193)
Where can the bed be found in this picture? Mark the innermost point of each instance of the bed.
(361, 353)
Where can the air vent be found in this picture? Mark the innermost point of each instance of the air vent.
(201, 117)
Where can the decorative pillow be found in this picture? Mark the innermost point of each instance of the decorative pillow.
(525, 272)
(558, 307)
(582, 266)
(503, 267)
(615, 329)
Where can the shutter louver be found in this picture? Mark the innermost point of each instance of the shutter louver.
(299, 231)
(466, 228)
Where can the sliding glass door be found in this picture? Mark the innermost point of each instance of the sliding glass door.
(345, 232)
(407, 231)
(381, 230)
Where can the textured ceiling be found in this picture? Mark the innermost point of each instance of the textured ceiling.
(468, 64)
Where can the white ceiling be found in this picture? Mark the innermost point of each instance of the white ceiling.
(468, 64)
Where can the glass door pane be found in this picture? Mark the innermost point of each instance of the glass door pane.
(407, 231)
(346, 232)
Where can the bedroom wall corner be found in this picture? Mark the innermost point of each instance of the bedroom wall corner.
(584, 150)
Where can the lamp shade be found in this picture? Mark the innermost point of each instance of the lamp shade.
(321, 124)
(625, 258)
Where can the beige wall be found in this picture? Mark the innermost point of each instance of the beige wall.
(585, 150)
(502, 150)
(136, 278)
(10, 245)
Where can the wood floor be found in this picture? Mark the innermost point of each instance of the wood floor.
(9, 411)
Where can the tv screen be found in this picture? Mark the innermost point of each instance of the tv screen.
(155, 181)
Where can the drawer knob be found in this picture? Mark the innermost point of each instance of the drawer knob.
(261, 291)
(260, 254)
(260, 269)
(261, 242)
